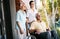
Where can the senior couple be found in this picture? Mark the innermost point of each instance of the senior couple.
(36, 26)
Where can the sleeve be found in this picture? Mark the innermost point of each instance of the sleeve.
(18, 17)
(36, 11)
(44, 26)
(32, 26)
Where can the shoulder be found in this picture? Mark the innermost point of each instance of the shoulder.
(34, 22)
(19, 12)
(36, 10)
(29, 10)
(43, 22)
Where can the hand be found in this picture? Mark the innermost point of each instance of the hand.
(37, 32)
(21, 31)
(47, 30)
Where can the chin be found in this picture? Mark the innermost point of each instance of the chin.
(38, 18)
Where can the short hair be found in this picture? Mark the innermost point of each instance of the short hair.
(30, 2)
(22, 4)
(37, 14)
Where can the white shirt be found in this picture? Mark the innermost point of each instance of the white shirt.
(31, 14)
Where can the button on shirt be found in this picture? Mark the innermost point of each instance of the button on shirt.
(31, 14)
(21, 17)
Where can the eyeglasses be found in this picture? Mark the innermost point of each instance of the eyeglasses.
(38, 15)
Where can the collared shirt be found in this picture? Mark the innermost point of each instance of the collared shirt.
(40, 26)
(21, 17)
(31, 14)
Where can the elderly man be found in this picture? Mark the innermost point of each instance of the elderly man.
(39, 27)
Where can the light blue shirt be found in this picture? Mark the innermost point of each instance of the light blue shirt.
(21, 17)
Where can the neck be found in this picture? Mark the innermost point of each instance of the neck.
(22, 10)
(32, 8)
(38, 20)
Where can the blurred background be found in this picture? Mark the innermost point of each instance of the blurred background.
(49, 10)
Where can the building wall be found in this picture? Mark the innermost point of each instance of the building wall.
(13, 17)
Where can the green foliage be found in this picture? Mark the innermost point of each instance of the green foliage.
(50, 5)
(55, 4)
(49, 10)
(58, 31)
(58, 2)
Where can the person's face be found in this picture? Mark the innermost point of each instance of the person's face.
(38, 17)
(24, 7)
(32, 5)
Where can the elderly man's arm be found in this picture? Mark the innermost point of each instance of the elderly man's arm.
(31, 31)
(32, 28)
(48, 28)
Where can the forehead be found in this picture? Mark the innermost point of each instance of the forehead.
(23, 5)
(38, 14)
(32, 2)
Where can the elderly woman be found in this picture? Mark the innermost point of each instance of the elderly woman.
(20, 22)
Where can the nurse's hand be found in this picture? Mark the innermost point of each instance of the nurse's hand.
(21, 31)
